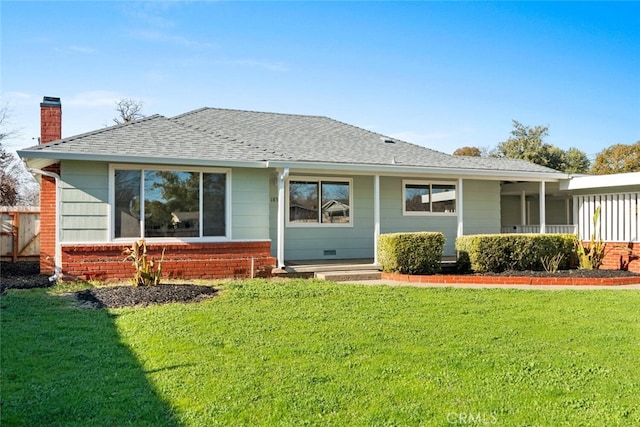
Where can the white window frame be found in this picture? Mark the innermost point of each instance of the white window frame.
(319, 180)
(147, 167)
(429, 183)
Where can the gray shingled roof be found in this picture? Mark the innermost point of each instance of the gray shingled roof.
(220, 135)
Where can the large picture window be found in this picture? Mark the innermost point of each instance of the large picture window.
(319, 202)
(169, 203)
(422, 198)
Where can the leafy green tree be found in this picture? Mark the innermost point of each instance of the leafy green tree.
(576, 161)
(618, 158)
(527, 143)
(468, 151)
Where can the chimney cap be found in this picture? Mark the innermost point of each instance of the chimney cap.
(50, 101)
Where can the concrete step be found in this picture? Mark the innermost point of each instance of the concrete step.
(317, 268)
(346, 276)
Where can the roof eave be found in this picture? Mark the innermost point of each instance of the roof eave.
(583, 182)
(507, 175)
(42, 159)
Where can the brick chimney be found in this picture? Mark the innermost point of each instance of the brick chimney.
(50, 119)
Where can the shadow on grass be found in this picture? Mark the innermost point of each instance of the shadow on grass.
(63, 365)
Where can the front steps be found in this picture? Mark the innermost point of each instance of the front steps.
(333, 270)
(349, 276)
(350, 270)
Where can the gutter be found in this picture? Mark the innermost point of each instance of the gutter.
(40, 159)
(401, 170)
(57, 259)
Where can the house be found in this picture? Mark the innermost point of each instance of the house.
(236, 193)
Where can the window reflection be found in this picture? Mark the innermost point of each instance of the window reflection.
(319, 202)
(417, 198)
(171, 204)
(335, 202)
(428, 197)
(214, 204)
(170, 201)
(127, 203)
(303, 201)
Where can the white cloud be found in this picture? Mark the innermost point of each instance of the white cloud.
(18, 98)
(96, 98)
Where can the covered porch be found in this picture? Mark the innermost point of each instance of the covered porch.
(528, 207)
(383, 203)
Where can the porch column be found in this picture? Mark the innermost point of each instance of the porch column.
(543, 210)
(460, 210)
(282, 176)
(523, 208)
(376, 216)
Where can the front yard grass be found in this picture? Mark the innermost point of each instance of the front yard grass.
(302, 352)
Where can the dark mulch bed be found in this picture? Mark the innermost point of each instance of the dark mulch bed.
(25, 275)
(22, 275)
(142, 296)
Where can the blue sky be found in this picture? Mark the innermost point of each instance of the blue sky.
(439, 74)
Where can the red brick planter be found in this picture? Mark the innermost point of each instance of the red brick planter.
(510, 280)
(181, 260)
(622, 256)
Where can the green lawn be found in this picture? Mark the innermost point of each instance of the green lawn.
(315, 353)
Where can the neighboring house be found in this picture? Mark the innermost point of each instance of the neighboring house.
(235, 193)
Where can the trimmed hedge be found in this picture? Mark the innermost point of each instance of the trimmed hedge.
(501, 252)
(411, 253)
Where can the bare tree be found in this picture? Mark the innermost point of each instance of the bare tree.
(5, 133)
(17, 186)
(129, 109)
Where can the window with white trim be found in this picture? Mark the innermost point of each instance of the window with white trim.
(427, 198)
(319, 202)
(169, 203)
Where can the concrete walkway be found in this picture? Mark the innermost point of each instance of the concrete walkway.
(501, 286)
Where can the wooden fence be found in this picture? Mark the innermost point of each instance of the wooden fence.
(20, 233)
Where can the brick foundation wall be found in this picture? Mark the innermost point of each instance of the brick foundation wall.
(181, 260)
(622, 256)
(48, 205)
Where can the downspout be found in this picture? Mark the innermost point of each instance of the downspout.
(57, 258)
(282, 176)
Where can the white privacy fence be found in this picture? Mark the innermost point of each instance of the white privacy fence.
(619, 216)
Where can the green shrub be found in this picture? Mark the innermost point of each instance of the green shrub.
(411, 253)
(501, 252)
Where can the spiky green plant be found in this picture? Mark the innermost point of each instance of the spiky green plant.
(147, 273)
(551, 264)
(592, 255)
